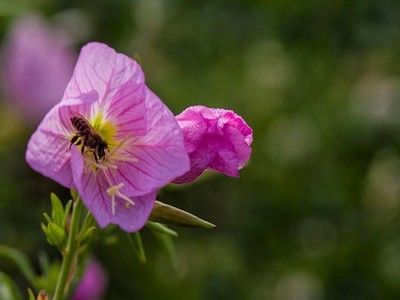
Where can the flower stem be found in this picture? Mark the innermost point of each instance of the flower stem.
(69, 252)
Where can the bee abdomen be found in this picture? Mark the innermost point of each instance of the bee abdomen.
(80, 124)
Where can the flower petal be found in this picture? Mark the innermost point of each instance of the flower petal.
(92, 186)
(102, 69)
(216, 139)
(127, 110)
(48, 148)
(160, 152)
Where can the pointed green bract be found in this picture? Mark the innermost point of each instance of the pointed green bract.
(167, 214)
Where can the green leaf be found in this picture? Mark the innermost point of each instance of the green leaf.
(57, 212)
(167, 214)
(169, 247)
(74, 194)
(136, 242)
(49, 281)
(44, 263)
(31, 295)
(47, 218)
(21, 261)
(160, 228)
(87, 235)
(66, 213)
(55, 235)
(8, 289)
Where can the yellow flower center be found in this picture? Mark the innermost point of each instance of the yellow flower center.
(105, 128)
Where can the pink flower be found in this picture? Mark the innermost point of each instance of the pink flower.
(93, 283)
(38, 63)
(216, 139)
(142, 145)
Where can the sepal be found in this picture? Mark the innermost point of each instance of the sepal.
(168, 214)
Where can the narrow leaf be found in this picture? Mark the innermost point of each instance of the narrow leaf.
(57, 212)
(31, 295)
(88, 235)
(8, 289)
(74, 194)
(44, 263)
(167, 214)
(66, 213)
(47, 218)
(160, 228)
(21, 261)
(169, 247)
(136, 242)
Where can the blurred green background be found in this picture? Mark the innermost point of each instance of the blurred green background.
(315, 214)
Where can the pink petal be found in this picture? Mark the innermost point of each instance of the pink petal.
(48, 148)
(160, 153)
(92, 187)
(216, 139)
(102, 69)
(127, 110)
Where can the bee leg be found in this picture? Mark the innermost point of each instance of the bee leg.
(73, 140)
(95, 156)
(83, 148)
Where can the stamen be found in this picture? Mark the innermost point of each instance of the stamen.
(126, 158)
(120, 144)
(114, 156)
(94, 163)
(113, 191)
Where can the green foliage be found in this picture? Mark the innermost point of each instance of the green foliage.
(55, 230)
(160, 228)
(137, 245)
(8, 289)
(21, 261)
(316, 212)
(168, 214)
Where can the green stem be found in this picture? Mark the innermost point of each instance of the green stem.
(69, 252)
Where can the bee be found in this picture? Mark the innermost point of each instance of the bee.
(88, 137)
